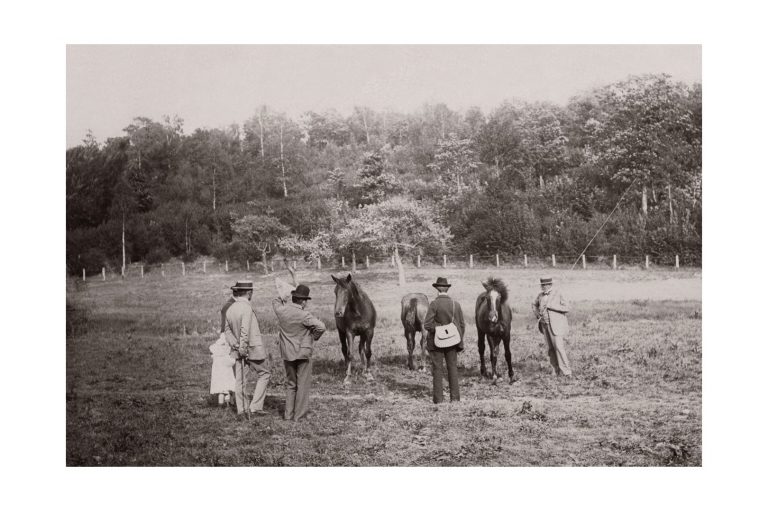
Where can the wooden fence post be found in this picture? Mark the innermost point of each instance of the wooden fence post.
(614, 262)
(554, 263)
(392, 263)
(471, 261)
(226, 265)
(584, 261)
(497, 259)
(354, 262)
(103, 274)
(647, 261)
(418, 260)
(677, 265)
(445, 261)
(183, 269)
(83, 274)
(204, 267)
(342, 262)
(319, 263)
(248, 265)
(142, 271)
(525, 260)
(162, 269)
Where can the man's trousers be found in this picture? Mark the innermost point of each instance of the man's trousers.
(299, 376)
(556, 351)
(261, 368)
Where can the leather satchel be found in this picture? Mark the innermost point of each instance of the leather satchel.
(447, 335)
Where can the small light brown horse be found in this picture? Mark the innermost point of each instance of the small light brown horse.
(413, 311)
(355, 316)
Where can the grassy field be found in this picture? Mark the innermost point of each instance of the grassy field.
(138, 371)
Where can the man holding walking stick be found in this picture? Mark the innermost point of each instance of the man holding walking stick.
(243, 335)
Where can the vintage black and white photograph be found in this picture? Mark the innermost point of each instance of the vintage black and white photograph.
(384, 255)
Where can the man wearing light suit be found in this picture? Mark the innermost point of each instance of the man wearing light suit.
(550, 308)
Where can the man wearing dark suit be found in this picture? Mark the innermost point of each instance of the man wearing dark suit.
(442, 311)
(550, 308)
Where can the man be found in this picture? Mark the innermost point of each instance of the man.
(243, 335)
(442, 311)
(298, 330)
(550, 308)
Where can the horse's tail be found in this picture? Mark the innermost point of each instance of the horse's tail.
(410, 314)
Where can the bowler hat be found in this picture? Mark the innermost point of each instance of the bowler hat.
(243, 285)
(301, 292)
(545, 280)
(441, 283)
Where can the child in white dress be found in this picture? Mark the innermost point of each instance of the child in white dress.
(222, 370)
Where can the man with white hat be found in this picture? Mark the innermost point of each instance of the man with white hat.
(550, 308)
(243, 334)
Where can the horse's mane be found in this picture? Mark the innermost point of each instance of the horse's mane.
(359, 299)
(497, 284)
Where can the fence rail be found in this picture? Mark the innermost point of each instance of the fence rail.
(354, 262)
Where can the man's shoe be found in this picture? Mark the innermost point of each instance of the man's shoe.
(260, 412)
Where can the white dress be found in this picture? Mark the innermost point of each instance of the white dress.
(222, 368)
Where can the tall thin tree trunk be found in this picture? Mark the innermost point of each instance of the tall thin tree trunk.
(645, 201)
(214, 189)
(400, 270)
(261, 133)
(282, 161)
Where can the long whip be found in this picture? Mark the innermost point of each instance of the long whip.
(603, 225)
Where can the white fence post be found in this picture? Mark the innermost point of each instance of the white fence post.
(614, 262)
(497, 259)
(226, 265)
(584, 261)
(83, 274)
(319, 263)
(354, 262)
(418, 260)
(393, 260)
(248, 265)
(677, 265)
(367, 262)
(103, 274)
(183, 269)
(647, 261)
(525, 260)
(342, 262)
(162, 270)
(554, 263)
(142, 271)
(471, 262)
(445, 261)
(203, 266)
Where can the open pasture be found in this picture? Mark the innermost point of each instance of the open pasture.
(138, 371)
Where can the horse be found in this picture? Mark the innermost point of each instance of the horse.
(355, 316)
(413, 310)
(493, 318)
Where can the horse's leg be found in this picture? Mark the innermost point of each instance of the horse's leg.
(424, 354)
(410, 338)
(368, 337)
(508, 358)
(494, 343)
(481, 350)
(347, 341)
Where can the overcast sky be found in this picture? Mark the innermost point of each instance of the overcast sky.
(215, 85)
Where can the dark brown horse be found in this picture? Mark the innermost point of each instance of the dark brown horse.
(355, 316)
(493, 318)
(413, 310)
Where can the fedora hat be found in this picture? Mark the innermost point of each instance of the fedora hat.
(545, 280)
(441, 283)
(243, 285)
(301, 292)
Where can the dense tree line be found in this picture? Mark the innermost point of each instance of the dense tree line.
(527, 177)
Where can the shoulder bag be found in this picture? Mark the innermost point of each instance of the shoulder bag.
(447, 335)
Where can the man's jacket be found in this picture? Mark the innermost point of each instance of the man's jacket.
(242, 329)
(442, 311)
(299, 329)
(553, 307)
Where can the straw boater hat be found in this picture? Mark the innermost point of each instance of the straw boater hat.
(545, 280)
(301, 292)
(441, 283)
(243, 285)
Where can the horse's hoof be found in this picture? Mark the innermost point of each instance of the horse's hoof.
(512, 380)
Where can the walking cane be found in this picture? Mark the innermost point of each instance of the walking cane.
(242, 388)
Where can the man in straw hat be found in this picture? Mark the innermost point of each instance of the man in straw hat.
(443, 311)
(298, 330)
(243, 334)
(550, 308)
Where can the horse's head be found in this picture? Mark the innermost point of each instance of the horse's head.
(494, 298)
(342, 292)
